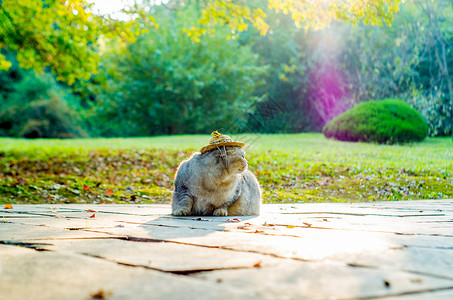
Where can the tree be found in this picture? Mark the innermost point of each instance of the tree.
(54, 34)
(237, 15)
(165, 83)
(436, 65)
(63, 35)
(411, 60)
(283, 106)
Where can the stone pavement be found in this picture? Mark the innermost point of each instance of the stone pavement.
(391, 250)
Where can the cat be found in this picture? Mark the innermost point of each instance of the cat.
(217, 182)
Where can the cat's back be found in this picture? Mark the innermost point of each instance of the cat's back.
(249, 201)
(188, 168)
(251, 184)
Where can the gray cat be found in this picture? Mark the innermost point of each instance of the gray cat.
(216, 182)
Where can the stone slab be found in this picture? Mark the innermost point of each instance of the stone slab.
(159, 255)
(384, 251)
(20, 232)
(290, 251)
(428, 295)
(28, 274)
(306, 280)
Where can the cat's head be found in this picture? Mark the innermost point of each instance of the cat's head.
(229, 160)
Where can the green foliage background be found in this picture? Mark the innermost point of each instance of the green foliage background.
(150, 80)
(165, 83)
(34, 105)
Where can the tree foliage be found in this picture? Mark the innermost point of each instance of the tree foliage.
(284, 49)
(35, 105)
(267, 66)
(165, 83)
(44, 118)
(410, 60)
(56, 34)
(63, 35)
(237, 15)
(60, 35)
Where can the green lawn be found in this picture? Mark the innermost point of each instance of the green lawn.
(290, 168)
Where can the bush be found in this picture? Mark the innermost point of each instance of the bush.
(385, 121)
(40, 119)
(35, 106)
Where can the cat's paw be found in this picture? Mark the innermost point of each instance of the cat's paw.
(181, 211)
(220, 212)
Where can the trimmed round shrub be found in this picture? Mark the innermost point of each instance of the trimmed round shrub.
(384, 121)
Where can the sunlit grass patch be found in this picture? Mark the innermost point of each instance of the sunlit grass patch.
(292, 168)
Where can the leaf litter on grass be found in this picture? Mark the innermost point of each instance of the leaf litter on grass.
(322, 171)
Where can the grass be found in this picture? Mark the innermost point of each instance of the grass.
(290, 167)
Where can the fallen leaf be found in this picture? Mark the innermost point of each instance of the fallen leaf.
(243, 227)
(257, 265)
(235, 220)
(201, 219)
(100, 294)
(20, 181)
(109, 192)
(56, 186)
(290, 226)
(258, 231)
(93, 215)
(103, 202)
(86, 188)
(90, 210)
(8, 206)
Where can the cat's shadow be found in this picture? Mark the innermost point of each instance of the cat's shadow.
(170, 227)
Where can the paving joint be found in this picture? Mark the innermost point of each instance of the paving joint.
(414, 293)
